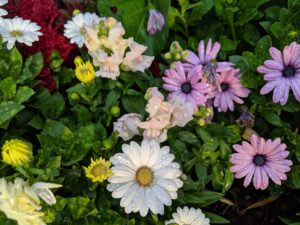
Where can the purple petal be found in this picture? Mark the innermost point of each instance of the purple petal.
(192, 58)
(208, 50)
(275, 54)
(268, 87)
(274, 64)
(287, 56)
(273, 76)
(170, 87)
(249, 176)
(215, 50)
(295, 85)
(201, 52)
(257, 179)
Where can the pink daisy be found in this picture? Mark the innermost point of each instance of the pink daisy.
(282, 73)
(230, 91)
(186, 85)
(206, 58)
(259, 161)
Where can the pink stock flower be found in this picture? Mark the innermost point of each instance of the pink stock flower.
(230, 91)
(260, 160)
(282, 73)
(206, 57)
(156, 22)
(187, 86)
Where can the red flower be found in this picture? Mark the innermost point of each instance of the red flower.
(46, 14)
(154, 68)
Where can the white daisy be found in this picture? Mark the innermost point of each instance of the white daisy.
(144, 177)
(189, 216)
(74, 28)
(17, 29)
(2, 11)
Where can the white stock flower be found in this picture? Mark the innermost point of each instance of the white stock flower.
(144, 177)
(74, 29)
(134, 60)
(17, 29)
(182, 113)
(127, 126)
(189, 216)
(108, 65)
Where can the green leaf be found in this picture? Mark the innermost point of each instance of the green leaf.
(188, 137)
(215, 219)
(8, 110)
(23, 94)
(84, 139)
(7, 89)
(134, 103)
(227, 44)
(272, 118)
(51, 106)
(10, 63)
(78, 206)
(112, 98)
(262, 48)
(246, 16)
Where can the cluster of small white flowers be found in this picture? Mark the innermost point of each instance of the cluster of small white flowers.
(104, 40)
(21, 202)
(17, 29)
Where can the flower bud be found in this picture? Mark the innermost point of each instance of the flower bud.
(156, 22)
(115, 111)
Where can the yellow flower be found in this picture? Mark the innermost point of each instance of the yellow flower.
(16, 152)
(98, 170)
(20, 202)
(84, 71)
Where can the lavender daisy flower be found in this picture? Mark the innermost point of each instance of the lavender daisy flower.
(206, 58)
(230, 91)
(282, 73)
(187, 86)
(260, 160)
(156, 22)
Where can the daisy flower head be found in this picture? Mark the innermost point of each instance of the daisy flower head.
(282, 73)
(74, 29)
(2, 11)
(144, 177)
(17, 29)
(230, 90)
(189, 216)
(98, 170)
(186, 85)
(260, 160)
(207, 58)
(16, 152)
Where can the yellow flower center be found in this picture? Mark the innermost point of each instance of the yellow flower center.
(24, 204)
(144, 176)
(99, 169)
(16, 33)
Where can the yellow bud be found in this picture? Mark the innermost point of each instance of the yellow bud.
(201, 122)
(16, 152)
(177, 56)
(76, 12)
(248, 132)
(293, 34)
(168, 55)
(84, 71)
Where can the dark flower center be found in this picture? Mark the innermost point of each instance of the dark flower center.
(288, 71)
(259, 160)
(186, 88)
(224, 86)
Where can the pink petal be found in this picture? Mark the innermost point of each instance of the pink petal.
(215, 50)
(249, 176)
(257, 179)
(265, 179)
(287, 56)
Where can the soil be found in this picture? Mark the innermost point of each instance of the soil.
(284, 206)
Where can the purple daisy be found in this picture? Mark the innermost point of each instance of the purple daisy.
(282, 73)
(206, 58)
(259, 161)
(186, 85)
(230, 91)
